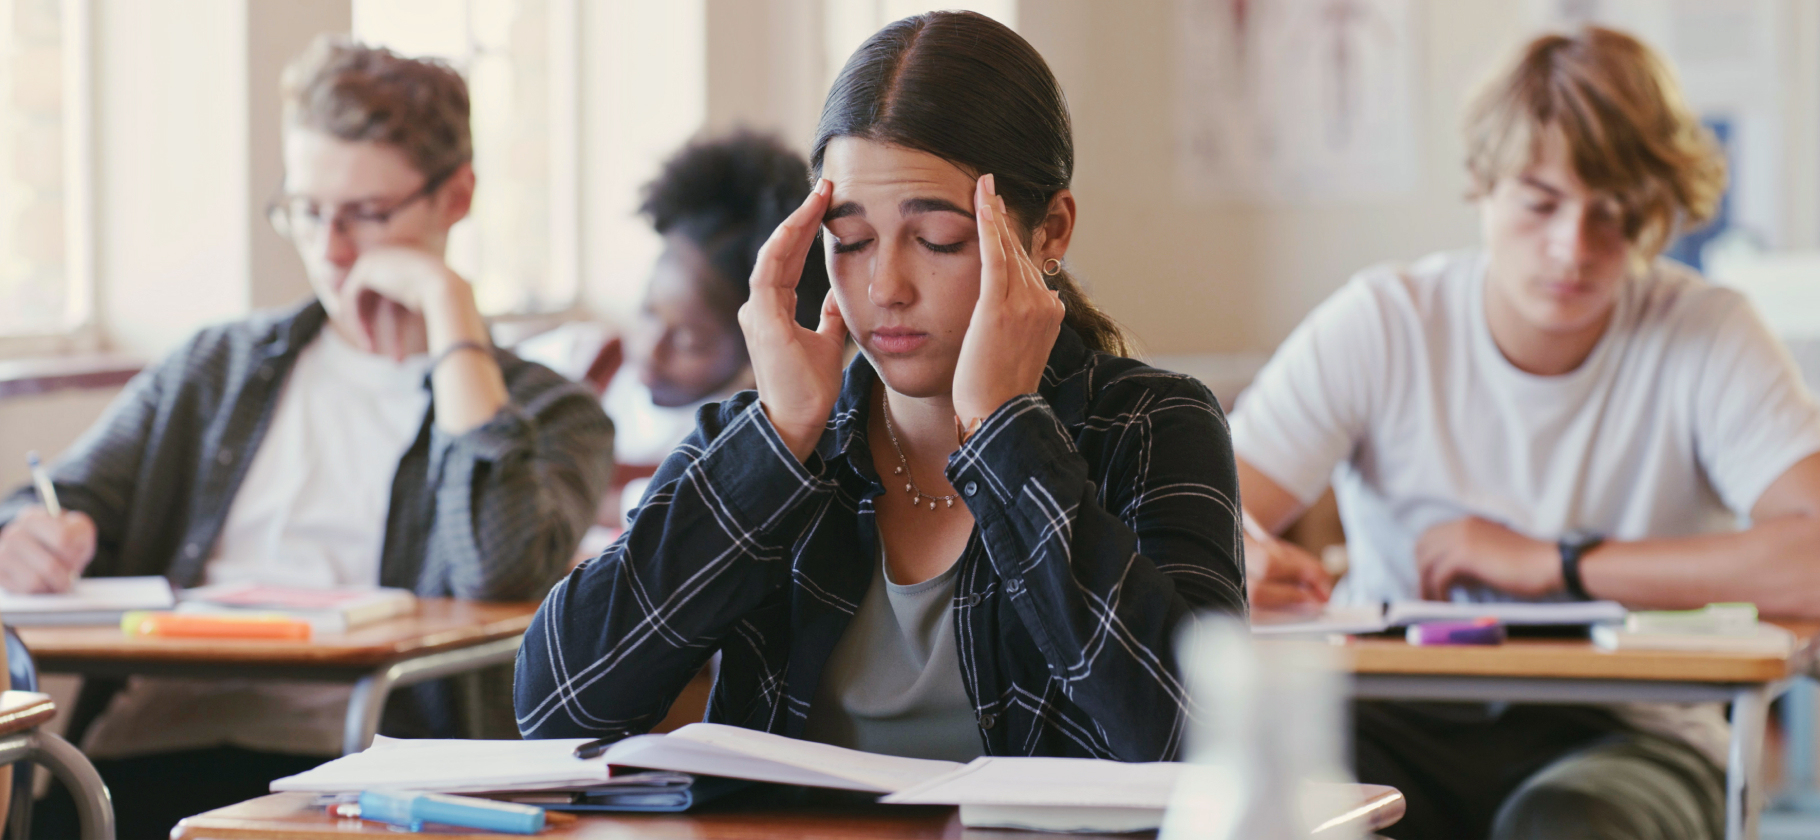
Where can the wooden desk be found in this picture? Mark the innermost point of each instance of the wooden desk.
(758, 815)
(1576, 672)
(445, 637)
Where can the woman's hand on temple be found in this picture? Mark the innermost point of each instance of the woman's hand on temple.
(797, 370)
(1014, 323)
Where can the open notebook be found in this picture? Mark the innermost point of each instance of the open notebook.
(454, 766)
(1337, 620)
(97, 600)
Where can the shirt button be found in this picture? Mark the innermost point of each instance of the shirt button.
(971, 488)
(192, 551)
(988, 720)
(224, 457)
(266, 373)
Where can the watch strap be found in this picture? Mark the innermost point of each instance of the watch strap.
(1572, 549)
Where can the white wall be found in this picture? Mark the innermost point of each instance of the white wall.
(644, 92)
(187, 154)
(171, 168)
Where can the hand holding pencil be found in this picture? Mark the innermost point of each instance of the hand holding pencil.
(45, 548)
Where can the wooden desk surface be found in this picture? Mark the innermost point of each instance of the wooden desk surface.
(440, 623)
(808, 815)
(1579, 659)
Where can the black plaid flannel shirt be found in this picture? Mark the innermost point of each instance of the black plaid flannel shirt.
(1107, 511)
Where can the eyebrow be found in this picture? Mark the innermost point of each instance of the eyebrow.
(1547, 188)
(916, 206)
(908, 207)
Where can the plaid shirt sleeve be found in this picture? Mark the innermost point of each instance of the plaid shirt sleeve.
(615, 641)
(99, 473)
(1101, 574)
(517, 492)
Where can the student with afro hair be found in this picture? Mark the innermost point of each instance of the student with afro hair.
(714, 202)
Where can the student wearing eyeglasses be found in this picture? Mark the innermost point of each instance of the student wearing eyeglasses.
(372, 435)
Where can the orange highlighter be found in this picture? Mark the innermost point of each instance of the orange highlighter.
(172, 625)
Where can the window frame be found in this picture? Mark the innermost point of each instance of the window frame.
(82, 334)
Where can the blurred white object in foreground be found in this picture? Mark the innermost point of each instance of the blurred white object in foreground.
(1263, 733)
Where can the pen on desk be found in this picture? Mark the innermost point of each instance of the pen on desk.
(412, 810)
(47, 492)
(593, 748)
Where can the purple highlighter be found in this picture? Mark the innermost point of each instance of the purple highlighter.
(1482, 631)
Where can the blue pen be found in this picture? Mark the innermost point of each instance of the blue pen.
(412, 810)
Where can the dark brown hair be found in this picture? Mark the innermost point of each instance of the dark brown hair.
(358, 93)
(1617, 107)
(965, 88)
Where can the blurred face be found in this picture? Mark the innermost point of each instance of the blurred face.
(1557, 250)
(686, 345)
(903, 255)
(342, 197)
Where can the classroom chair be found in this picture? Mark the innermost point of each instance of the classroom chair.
(22, 711)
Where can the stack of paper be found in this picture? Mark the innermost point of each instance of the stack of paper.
(1051, 794)
(101, 600)
(450, 766)
(1765, 639)
(333, 610)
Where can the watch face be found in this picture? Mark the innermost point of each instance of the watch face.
(1580, 539)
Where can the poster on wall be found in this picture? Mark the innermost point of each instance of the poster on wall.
(1293, 101)
(1727, 54)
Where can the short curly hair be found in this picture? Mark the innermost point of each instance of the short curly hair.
(726, 195)
(1629, 133)
(360, 93)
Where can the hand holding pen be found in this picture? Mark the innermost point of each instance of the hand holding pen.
(45, 548)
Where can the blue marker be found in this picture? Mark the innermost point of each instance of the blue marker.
(412, 810)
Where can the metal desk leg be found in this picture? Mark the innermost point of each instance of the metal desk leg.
(1750, 717)
(94, 807)
(364, 708)
(1800, 708)
(370, 692)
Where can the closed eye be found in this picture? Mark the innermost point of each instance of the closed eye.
(850, 247)
(953, 248)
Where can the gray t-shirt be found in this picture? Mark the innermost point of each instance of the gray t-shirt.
(893, 683)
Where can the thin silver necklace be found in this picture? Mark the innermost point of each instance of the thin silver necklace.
(903, 465)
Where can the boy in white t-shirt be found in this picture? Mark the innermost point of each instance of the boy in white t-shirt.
(1557, 415)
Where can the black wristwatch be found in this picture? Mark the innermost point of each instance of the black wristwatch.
(1574, 546)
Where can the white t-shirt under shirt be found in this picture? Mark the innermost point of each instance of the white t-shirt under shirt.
(1394, 390)
(310, 512)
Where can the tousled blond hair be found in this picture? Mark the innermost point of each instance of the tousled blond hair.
(360, 93)
(1629, 134)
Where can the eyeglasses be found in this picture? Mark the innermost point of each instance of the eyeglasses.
(300, 218)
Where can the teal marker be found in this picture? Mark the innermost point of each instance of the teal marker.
(412, 810)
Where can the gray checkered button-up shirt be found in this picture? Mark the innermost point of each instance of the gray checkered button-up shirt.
(1106, 509)
(494, 513)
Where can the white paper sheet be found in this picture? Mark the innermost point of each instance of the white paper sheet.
(92, 600)
(880, 773)
(1329, 622)
(452, 766)
(1074, 782)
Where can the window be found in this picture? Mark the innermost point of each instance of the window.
(519, 245)
(44, 265)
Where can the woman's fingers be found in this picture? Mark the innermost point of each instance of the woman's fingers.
(771, 303)
(995, 252)
(780, 260)
(832, 324)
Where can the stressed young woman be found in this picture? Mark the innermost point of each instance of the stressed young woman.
(982, 536)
